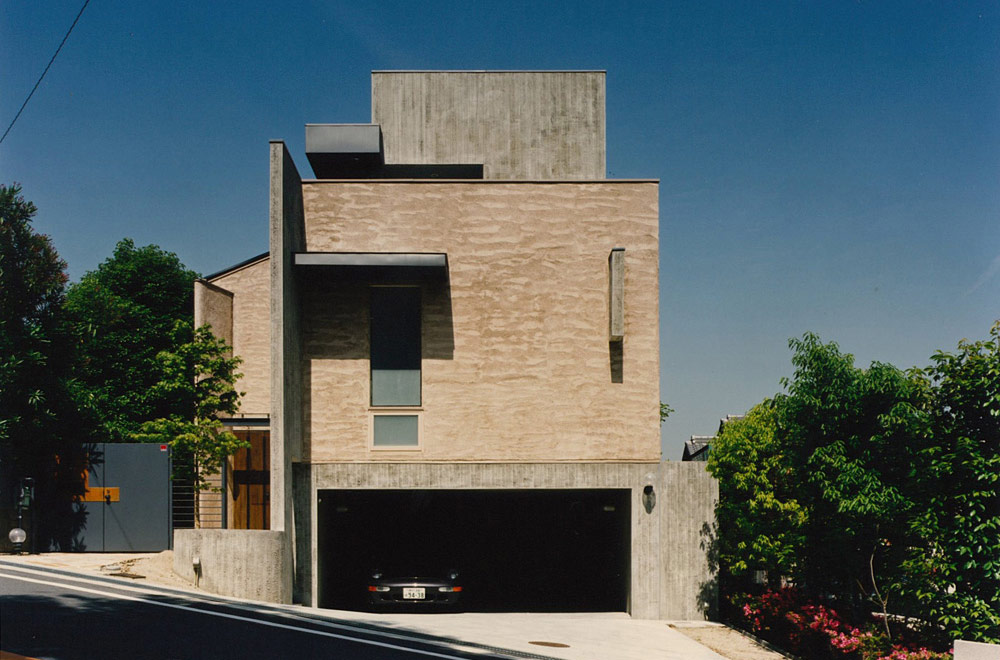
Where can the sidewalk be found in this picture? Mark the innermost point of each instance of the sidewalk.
(582, 636)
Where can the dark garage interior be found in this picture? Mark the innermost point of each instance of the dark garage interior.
(516, 550)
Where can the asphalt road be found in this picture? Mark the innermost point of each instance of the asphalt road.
(49, 614)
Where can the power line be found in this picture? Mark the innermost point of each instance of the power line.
(86, 2)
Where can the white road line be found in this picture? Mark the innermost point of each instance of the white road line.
(236, 617)
(274, 610)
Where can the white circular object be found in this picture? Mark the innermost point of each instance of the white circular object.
(17, 535)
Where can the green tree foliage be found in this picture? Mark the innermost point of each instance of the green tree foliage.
(760, 521)
(41, 424)
(124, 313)
(196, 383)
(851, 465)
(875, 487)
(954, 569)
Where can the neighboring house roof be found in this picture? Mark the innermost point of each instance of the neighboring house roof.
(242, 264)
(696, 449)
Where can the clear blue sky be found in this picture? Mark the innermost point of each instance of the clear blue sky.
(825, 166)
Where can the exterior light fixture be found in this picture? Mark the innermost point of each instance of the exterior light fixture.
(648, 494)
(17, 536)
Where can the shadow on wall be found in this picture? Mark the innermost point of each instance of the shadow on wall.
(708, 591)
(616, 359)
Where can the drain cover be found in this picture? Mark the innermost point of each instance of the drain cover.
(557, 645)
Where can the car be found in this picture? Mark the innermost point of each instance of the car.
(395, 590)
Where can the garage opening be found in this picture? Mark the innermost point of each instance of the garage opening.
(516, 550)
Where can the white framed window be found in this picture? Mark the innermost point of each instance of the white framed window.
(395, 430)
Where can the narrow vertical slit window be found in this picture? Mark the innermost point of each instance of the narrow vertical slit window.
(395, 346)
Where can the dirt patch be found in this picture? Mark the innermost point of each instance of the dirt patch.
(727, 642)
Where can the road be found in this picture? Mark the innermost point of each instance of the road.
(50, 614)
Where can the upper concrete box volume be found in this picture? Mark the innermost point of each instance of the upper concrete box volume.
(518, 124)
(451, 355)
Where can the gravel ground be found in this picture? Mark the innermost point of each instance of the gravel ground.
(725, 641)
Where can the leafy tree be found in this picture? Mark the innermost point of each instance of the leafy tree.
(665, 411)
(42, 427)
(196, 383)
(125, 313)
(760, 521)
(851, 463)
(954, 569)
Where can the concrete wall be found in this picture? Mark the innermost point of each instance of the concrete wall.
(686, 499)
(518, 124)
(286, 237)
(663, 584)
(242, 563)
(249, 288)
(517, 365)
(976, 651)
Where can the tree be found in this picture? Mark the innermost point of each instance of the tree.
(196, 384)
(760, 521)
(954, 569)
(851, 461)
(42, 427)
(125, 313)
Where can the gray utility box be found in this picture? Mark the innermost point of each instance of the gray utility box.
(127, 499)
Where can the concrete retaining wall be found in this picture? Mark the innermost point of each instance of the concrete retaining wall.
(252, 564)
(976, 651)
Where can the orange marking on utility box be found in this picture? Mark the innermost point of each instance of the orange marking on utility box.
(97, 494)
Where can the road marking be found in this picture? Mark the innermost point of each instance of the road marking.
(236, 617)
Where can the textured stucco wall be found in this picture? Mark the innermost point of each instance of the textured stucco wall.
(518, 124)
(214, 305)
(516, 360)
(670, 573)
(250, 337)
(253, 564)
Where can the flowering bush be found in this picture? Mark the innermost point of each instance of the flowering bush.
(816, 631)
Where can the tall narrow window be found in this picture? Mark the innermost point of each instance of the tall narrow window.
(395, 346)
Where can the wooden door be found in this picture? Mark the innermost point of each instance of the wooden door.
(250, 485)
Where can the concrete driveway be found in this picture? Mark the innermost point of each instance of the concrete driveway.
(585, 636)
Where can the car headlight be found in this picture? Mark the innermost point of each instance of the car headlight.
(450, 589)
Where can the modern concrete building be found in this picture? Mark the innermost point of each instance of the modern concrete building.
(451, 355)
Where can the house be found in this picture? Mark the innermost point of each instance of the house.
(698, 447)
(451, 354)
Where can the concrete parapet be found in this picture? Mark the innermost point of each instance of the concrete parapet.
(243, 563)
(976, 650)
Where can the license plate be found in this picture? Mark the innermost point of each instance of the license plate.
(413, 593)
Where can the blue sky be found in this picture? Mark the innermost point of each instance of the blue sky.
(831, 167)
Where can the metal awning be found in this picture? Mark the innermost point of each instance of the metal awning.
(373, 259)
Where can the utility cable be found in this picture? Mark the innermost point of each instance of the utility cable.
(86, 2)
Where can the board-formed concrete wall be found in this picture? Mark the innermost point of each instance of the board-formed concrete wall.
(671, 576)
(252, 564)
(517, 124)
(516, 365)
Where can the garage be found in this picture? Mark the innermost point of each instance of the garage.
(539, 550)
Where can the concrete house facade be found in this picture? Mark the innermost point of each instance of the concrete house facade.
(451, 353)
